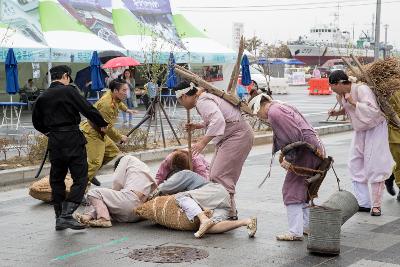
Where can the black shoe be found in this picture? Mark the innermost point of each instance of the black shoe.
(57, 211)
(364, 209)
(95, 181)
(389, 185)
(66, 220)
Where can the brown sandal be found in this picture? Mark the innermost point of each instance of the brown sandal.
(289, 237)
(376, 213)
(100, 223)
(252, 227)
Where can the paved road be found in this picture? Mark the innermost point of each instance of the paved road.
(28, 238)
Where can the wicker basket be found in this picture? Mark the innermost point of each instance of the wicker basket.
(41, 189)
(164, 211)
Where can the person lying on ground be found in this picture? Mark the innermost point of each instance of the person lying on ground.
(132, 184)
(179, 160)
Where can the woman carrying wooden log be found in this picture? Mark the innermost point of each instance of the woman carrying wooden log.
(289, 126)
(231, 134)
(370, 160)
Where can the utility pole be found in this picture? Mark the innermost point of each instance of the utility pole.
(385, 51)
(377, 29)
(373, 28)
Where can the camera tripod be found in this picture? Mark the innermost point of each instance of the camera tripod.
(151, 115)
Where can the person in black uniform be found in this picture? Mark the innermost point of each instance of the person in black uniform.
(56, 114)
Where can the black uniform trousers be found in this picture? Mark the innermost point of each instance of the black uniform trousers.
(73, 159)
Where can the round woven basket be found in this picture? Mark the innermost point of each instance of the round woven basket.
(41, 189)
(164, 211)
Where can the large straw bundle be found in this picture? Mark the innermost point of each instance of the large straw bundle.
(41, 189)
(383, 70)
(164, 211)
(382, 77)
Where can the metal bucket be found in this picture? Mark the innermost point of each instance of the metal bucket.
(343, 201)
(324, 234)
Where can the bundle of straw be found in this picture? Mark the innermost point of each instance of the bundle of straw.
(164, 211)
(41, 189)
(382, 77)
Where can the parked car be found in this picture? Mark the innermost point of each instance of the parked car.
(259, 80)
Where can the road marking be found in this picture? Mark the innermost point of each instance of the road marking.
(86, 250)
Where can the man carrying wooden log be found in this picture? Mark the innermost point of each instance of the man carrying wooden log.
(370, 159)
(225, 126)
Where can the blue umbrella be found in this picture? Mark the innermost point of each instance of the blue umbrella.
(11, 73)
(95, 73)
(171, 78)
(246, 78)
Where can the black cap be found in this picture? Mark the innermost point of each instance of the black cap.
(62, 69)
(338, 76)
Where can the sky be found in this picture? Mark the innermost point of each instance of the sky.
(283, 20)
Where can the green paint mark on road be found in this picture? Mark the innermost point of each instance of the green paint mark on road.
(86, 250)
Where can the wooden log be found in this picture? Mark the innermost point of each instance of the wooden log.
(233, 99)
(347, 62)
(189, 140)
(235, 73)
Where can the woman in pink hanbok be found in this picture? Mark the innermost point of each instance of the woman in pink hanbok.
(370, 160)
(225, 127)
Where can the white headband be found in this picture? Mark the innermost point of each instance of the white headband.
(255, 103)
(179, 93)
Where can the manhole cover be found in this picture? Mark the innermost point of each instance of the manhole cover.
(168, 254)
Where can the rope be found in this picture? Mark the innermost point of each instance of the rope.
(298, 170)
(337, 178)
(269, 172)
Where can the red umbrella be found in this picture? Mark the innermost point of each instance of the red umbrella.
(120, 62)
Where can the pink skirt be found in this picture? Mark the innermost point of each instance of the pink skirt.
(230, 154)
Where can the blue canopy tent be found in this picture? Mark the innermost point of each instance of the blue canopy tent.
(294, 62)
(246, 78)
(277, 62)
(95, 74)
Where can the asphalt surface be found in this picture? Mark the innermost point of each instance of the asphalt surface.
(28, 238)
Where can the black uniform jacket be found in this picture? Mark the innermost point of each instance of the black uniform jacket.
(56, 113)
